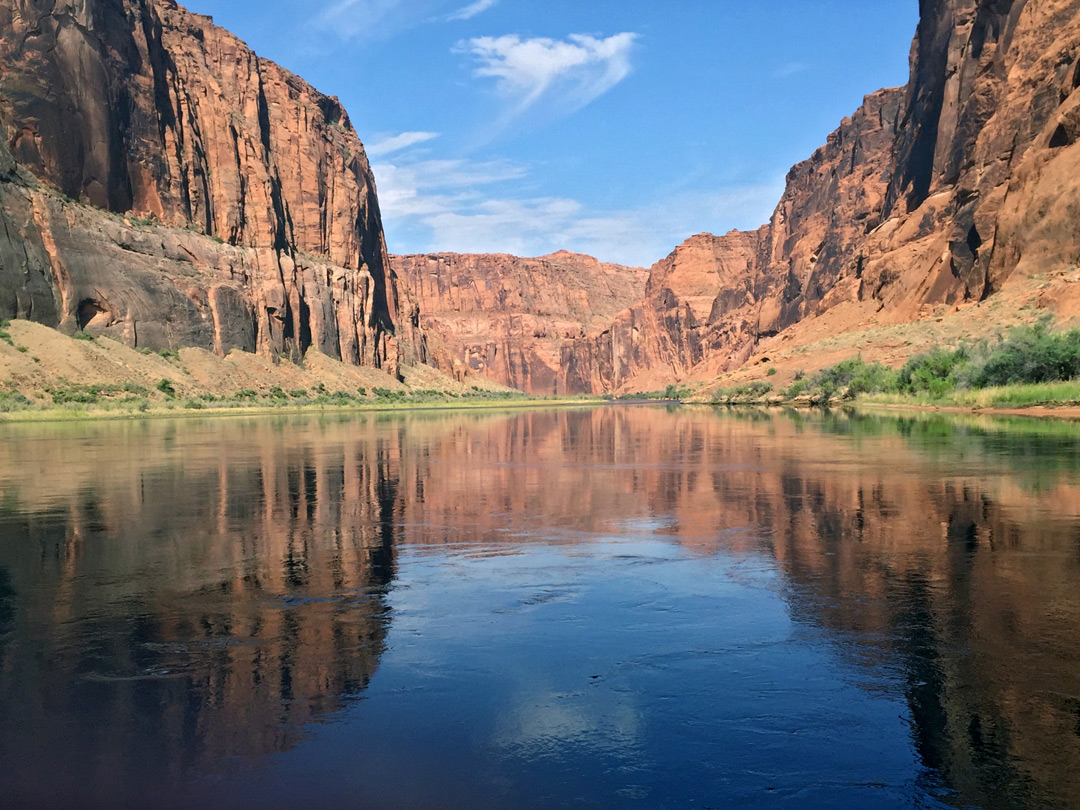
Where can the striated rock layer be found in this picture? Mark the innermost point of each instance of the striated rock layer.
(935, 194)
(162, 184)
(507, 318)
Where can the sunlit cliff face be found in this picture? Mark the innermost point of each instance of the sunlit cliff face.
(213, 586)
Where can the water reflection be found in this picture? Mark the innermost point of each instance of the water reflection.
(184, 603)
(179, 600)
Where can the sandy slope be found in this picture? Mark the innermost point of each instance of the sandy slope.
(53, 361)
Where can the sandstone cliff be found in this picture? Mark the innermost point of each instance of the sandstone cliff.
(506, 317)
(936, 194)
(162, 184)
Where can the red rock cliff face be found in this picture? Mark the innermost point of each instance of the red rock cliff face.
(270, 236)
(935, 193)
(506, 317)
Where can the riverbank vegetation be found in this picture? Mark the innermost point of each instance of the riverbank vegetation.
(76, 401)
(1027, 366)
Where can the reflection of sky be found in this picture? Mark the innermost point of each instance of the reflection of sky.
(546, 723)
(625, 674)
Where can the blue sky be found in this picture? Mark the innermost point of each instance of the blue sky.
(613, 127)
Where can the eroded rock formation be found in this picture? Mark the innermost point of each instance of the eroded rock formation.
(162, 184)
(507, 318)
(933, 194)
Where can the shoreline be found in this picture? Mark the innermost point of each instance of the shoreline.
(1063, 413)
(1068, 413)
(68, 415)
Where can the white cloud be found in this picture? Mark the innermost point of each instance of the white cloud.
(395, 143)
(789, 69)
(574, 72)
(350, 17)
(375, 19)
(459, 206)
(382, 19)
(471, 10)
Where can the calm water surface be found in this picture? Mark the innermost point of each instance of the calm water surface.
(623, 607)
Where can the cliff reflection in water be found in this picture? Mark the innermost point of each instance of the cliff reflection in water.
(180, 601)
(173, 596)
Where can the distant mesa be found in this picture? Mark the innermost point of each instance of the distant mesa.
(507, 318)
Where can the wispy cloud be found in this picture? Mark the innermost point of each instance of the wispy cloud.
(377, 19)
(350, 17)
(471, 10)
(789, 69)
(470, 207)
(395, 143)
(571, 72)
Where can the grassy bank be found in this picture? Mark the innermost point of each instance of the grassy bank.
(74, 412)
(1029, 367)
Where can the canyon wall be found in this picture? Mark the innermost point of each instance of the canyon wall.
(162, 184)
(931, 195)
(507, 317)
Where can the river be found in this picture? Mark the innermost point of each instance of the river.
(609, 607)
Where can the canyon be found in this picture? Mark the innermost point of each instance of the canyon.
(929, 199)
(163, 186)
(507, 318)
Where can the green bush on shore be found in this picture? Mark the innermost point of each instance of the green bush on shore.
(1026, 356)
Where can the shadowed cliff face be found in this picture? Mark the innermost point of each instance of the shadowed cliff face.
(136, 107)
(506, 317)
(933, 194)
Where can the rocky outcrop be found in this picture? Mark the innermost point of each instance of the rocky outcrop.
(677, 325)
(933, 194)
(506, 317)
(162, 184)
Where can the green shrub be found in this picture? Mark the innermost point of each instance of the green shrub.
(855, 376)
(771, 372)
(83, 336)
(750, 392)
(1031, 354)
(13, 401)
(675, 392)
(298, 393)
(934, 372)
(167, 388)
(339, 398)
(800, 386)
(77, 395)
